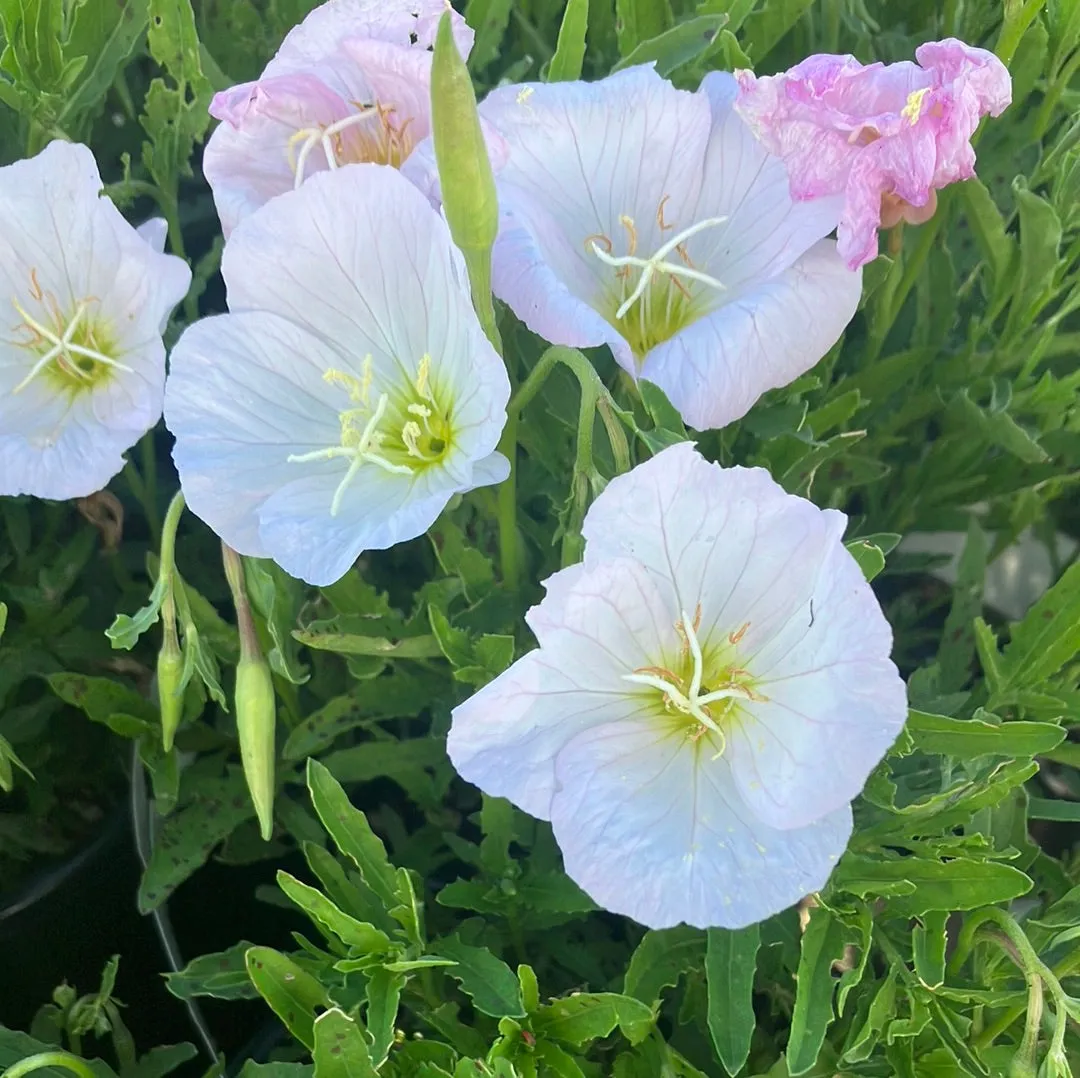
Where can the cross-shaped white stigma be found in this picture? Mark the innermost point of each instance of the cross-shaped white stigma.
(657, 264)
(63, 348)
(692, 702)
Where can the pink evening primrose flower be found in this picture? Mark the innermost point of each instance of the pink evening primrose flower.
(711, 690)
(351, 83)
(350, 393)
(649, 219)
(84, 299)
(885, 137)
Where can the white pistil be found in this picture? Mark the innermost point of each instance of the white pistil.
(657, 263)
(363, 452)
(692, 702)
(63, 348)
(314, 136)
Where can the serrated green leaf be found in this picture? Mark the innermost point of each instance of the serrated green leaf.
(871, 559)
(957, 649)
(661, 959)
(292, 993)
(1047, 637)
(822, 944)
(680, 45)
(587, 1016)
(489, 19)
(928, 940)
(730, 962)
(348, 827)
(222, 975)
(125, 631)
(974, 737)
(341, 1051)
(768, 23)
(357, 935)
(411, 647)
(383, 994)
(488, 980)
(918, 885)
(636, 21)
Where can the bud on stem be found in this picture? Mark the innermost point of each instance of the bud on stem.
(170, 678)
(255, 702)
(469, 198)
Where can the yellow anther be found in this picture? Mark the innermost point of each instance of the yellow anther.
(423, 372)
(524, 94)
(913, 109)
(422, 410)
(631, 229)
(357, 388)
(734, 638)
(410, 437)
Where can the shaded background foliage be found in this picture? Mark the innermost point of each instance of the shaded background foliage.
(945, 943)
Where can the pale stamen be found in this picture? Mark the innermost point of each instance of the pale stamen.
(315, 136)
(62, 348)
(692, 702)
(658, 263)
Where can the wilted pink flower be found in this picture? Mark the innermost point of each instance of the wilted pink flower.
(886, 136)
(351, 83)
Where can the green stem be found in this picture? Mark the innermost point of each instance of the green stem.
(506, 507)
(168, 535)
(573, 545)
(49, 1059)
(149, 477)
(478, 264)
(1013, 31)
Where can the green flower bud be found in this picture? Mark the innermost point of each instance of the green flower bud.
(468, 186)
(170, 688)
(256, 717)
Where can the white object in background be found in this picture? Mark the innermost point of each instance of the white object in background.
(1014, 579)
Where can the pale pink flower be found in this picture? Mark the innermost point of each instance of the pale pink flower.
(885, 136)
(350, 84)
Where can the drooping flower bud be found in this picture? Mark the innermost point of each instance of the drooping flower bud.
(256, 716)
(170, 686)
(256, 709)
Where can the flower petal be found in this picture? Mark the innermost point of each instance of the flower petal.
(651, 827)
(718, 367)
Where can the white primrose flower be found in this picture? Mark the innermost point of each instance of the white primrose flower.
(350, 393)
(711, 690)
(84, 298)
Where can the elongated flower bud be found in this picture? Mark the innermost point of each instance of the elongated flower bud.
(468, 187)
(256, 715)
(170, 687)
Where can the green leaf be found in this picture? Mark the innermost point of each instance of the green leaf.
(104, 35)
(1042, 808)
(587, 1016)
(996, 427)
(277, 597)
(348, 827)
(497, 824)
(956, 652)
(672, 49)
(162, 1060)
(822, 944)
(187, 838)
(1040, 242)
(125, 631)
(251, 1069)
(489, 19)
(928, 941)
(918, 885)
(988, 226)
(411, 647)
(3, 619)
(292, 993)
(16, 1046)
(975, 737)
(661, 959)
(340, 1048)
(769, 22)
(1047, 638)
(636, 21)
(100, 698)
(569, 55)
(222, 975)
(730, 962)
(870, 558)
(530, 988)
(488, 980)
(357, 935)
(383, 997)
(989, 657)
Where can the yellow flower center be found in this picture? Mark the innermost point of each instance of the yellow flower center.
(372, 134)
(70, 349)
(652, 299)
(913, 109)
(701, 692)
(403, 434)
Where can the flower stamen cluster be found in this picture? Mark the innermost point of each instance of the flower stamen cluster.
(421, 441)
(688, 699)
(67, 344)
(386, 144)
(659, 317)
